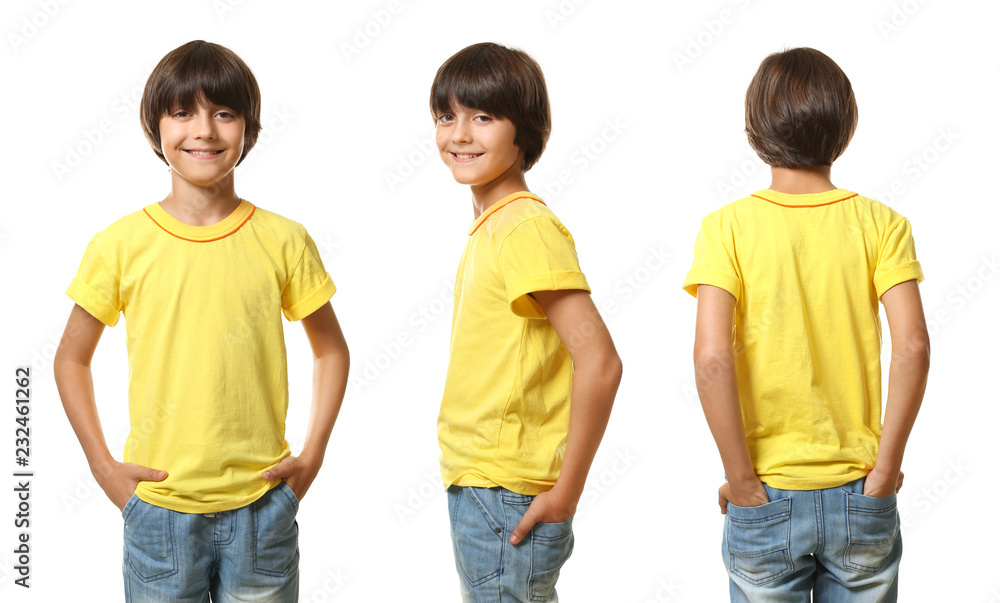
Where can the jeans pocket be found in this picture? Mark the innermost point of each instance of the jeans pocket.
(275, 532)
(150, 547)
(551, 546)
(476, 535)
(872, 529)
(129, 505)
(757, 541)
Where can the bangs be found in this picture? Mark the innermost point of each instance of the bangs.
(203, 75)
(474, 81)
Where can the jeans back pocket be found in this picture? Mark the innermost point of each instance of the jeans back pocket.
(872, 529)
(757, 541)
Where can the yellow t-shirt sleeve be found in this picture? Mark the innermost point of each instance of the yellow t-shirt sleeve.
(95, 286)
(897, 258)
(714, 260)
(538, 255)
(309, 285)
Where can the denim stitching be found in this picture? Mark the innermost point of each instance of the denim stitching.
(173, 552)
(820, 526)
(890, 540)
(492, 524)
(785, 552)
(256, 526)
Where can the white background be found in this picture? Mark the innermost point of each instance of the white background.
(344, 108)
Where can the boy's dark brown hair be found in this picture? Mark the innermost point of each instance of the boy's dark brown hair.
(196, 71)
(504, 82)
(800, 109)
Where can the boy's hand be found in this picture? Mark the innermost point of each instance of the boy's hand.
(296, 471)
(880, 486)
(119, 481)
(548, 507)
(752, 496)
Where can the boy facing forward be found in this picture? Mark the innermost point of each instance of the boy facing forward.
(787, 349)
(208, 490)
(526, 339)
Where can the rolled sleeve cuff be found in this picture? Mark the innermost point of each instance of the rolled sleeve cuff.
(898, 274)
(90, 300)
(311, 302)
(707, 276)
(524, 306)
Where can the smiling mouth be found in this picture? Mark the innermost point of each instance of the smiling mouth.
(202, 153)
(466, 156)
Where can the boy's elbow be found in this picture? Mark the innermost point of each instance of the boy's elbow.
(612, 369)
(914, 348)
(711, 361)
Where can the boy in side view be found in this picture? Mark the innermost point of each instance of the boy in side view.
(787, 348)
(209, 490)
(533, 371)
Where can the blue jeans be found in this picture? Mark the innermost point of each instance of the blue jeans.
(835, 542)
(490, 568)
(247, 554)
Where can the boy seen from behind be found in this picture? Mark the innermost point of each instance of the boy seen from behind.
(787, 350)
(209, 490)
(533, 370)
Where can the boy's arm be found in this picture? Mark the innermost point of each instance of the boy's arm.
(911, 356)
(597, 370)
(330, 365)
(76, 389)
(715, 376)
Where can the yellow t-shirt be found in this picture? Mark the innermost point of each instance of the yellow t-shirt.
(208, 381)
(505, 411)
(807, 272)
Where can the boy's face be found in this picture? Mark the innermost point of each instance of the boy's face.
(478, 147)
(202, 143)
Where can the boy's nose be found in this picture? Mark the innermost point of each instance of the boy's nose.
(204, 127)
(461, 132)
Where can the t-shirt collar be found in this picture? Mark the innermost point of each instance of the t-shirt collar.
(201, 234)
(807, 200)
(498, 205)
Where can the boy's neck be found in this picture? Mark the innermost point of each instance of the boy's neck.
(201, 205)
(801, 180)
(485, 195)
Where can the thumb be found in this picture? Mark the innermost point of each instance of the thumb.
(723, 500)
(146, 474)
(279, 471)
(527, 522)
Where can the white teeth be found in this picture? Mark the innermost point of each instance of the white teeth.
(467, 155)
(204, 153)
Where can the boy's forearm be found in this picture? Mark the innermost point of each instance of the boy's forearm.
(715, 377)
(595, 383)
(76, 389)
(329, 385)
(907, 382)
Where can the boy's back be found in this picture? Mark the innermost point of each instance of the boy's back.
(807, 272)
(787, 352)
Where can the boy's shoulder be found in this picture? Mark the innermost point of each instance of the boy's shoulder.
(274, 221)
(128, 227)
(754, 203)
(501, 223)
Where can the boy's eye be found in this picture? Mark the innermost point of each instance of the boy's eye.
(180, 113)
(483, 118)
(226, 115)
(443, 119)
